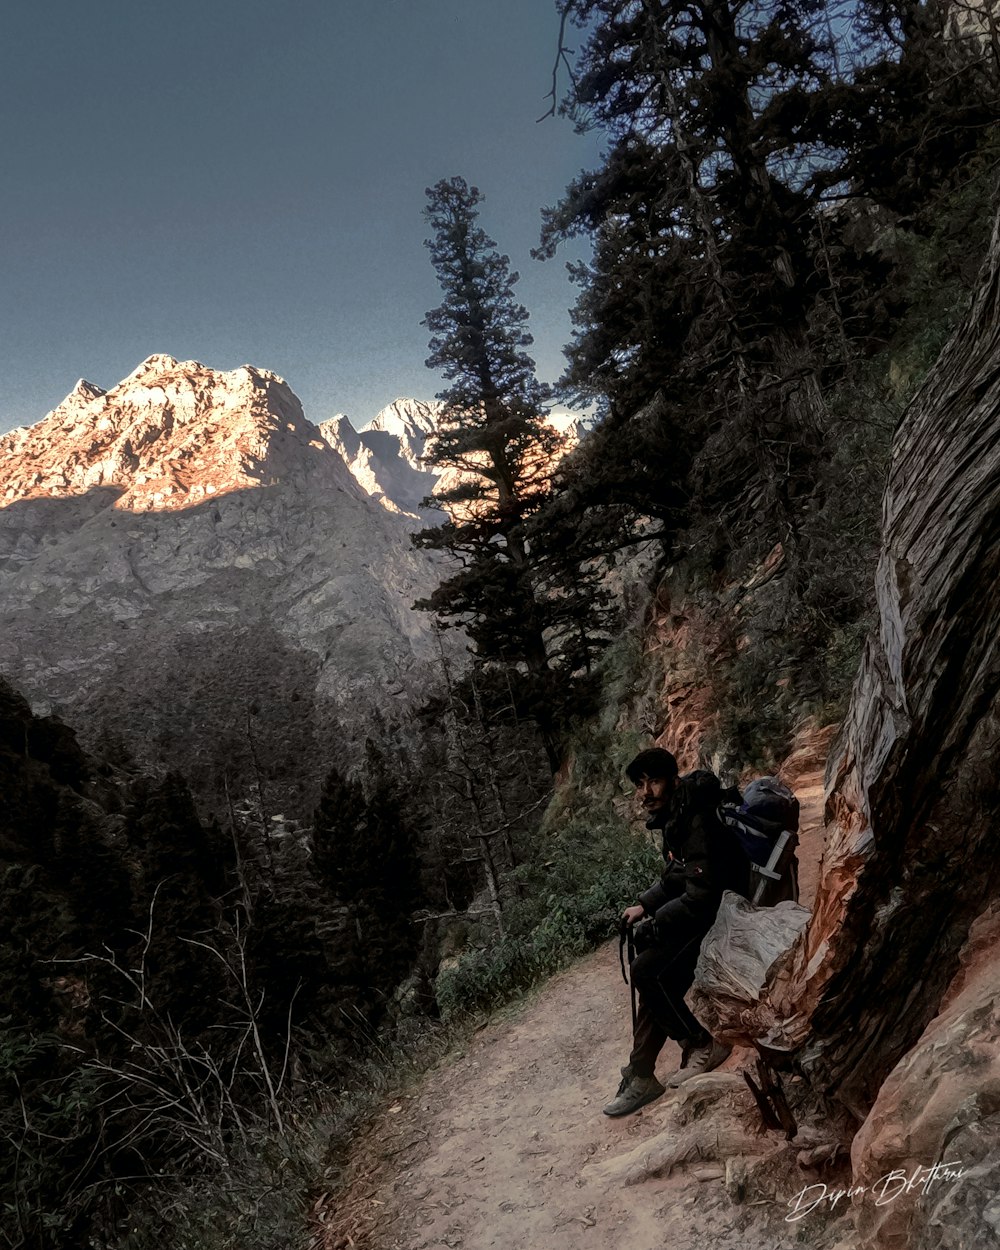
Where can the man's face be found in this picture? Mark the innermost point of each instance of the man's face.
(654, 793)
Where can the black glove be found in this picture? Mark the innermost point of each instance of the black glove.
(644, 933)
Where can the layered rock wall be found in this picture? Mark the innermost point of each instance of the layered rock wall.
(914, 804)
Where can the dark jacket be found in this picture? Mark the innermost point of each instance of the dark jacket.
(701, 856)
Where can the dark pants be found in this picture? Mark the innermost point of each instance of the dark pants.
(662, 975)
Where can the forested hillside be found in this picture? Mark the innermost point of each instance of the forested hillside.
(791, 209)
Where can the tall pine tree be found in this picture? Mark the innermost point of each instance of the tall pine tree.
(702, 281)
(517, 605)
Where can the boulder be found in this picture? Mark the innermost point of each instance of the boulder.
(729, 995)
(928, 1153)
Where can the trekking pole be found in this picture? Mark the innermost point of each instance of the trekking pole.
(626, 940)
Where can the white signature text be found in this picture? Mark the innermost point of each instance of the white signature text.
(883, 1191)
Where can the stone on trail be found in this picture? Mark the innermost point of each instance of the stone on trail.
(729, 992)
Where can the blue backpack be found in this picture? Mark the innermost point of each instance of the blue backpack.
(765, 819)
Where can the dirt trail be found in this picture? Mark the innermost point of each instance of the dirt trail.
(491, 1150)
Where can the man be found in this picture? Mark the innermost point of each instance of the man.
(702, 859)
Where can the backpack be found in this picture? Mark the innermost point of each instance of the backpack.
(702, 791)
(765, 819)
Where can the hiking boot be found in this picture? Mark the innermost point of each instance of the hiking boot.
(698, 1059)
(634, 1092)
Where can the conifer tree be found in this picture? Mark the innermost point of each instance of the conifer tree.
(516, 603)
(181, 875)
(701, 283)
(364, 853)
(922, 102)
(723, 299)
(747, 245)
(339, 841)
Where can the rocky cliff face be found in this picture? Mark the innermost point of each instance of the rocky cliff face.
(913, 804)
(940, 1106)
(888, 1000)
(186, 563)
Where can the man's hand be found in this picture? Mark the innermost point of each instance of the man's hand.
(644, 933)
(631, 914)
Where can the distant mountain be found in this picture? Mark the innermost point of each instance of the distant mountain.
(386, 456)
(188, 566)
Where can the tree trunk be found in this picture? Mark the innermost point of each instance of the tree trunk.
(913, 798)
(492, 881)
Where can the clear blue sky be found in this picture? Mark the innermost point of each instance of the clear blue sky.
(241, 181)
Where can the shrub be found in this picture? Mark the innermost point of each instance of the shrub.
(574, 901)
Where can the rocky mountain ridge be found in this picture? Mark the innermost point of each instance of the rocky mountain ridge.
(167, 436)
(186, 564)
